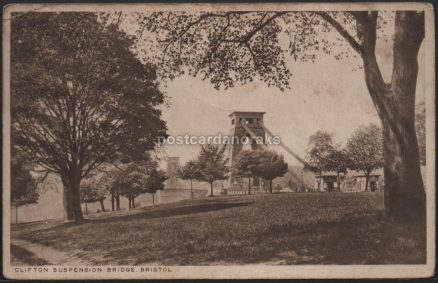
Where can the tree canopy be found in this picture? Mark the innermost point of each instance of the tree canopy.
(79, 96)
(270, 166)
(24, 189)
(338, 160)
(212, 164)
(190, 171)
(365, 149)
(320, 146)
(138, 178)
(246, 165)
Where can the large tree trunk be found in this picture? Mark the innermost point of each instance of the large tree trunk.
(404, 190)
(395, 104)
(67, 199)
(211, 189)
(75, 189)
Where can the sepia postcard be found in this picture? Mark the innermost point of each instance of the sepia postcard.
(218, 141)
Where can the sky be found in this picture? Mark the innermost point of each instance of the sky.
(326, 95)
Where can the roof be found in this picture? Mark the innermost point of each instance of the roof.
(243, 113)
(328, 174)
(378, 172)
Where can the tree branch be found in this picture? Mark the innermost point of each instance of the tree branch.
(342, 31)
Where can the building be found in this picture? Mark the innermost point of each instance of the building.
(327, 181)
(351, 182)
(245, 125)
(374, 183)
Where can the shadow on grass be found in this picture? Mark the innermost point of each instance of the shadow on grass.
(371, 238)
(175, 211)
(21, 256)
(152, 213)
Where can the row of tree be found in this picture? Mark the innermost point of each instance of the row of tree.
(363, 152)
(211, 166)
(135, 179)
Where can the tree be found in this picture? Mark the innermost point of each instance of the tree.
(318, 153)
(365, 150)
(155, 183)
(338, 161)
(190, 171)
(130, 183)
(270, 165)
(420, 127)
(24, 189)
(108, 183)
(212, 164)
(230, 47)
(138, 178)
(80, 98)
(91, 192)
(245, 165)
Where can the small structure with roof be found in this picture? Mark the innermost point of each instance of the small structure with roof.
(351, 182)
(327, 181)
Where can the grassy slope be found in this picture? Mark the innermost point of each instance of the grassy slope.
(312, 228)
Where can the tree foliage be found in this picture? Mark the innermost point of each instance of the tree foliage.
(79, 96)
(212, 164)
(190, 171)
(270, 165)
(138, 178)
(90, 193)
(24, 189)
(246, 163)
(320, 146)
(338, 160)
(94, 187)
(365, 150)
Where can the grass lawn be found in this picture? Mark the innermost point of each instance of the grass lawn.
(294, 228)
(20, 256)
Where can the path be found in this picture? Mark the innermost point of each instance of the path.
(51, 255)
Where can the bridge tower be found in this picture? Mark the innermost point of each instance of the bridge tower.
(245, 126)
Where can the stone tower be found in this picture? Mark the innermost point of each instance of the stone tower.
(245, 125)
(172, 168)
